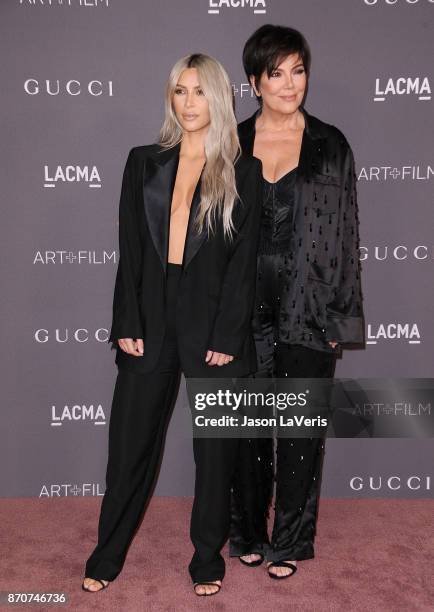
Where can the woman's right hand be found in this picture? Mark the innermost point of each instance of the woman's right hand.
(132, 347)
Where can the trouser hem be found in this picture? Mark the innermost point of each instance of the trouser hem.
(240, 550)
(98, 575)
(291, 554)
(206, 576)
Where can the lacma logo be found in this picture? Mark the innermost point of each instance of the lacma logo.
(77, 413)
(72, 174)
(259, 6)
(417, 86)
(393, 331)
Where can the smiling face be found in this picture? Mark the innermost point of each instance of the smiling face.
(189, 102)
(284, 90)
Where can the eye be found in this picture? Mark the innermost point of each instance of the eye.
(299, 71)
(275, 73)
(200, 92)
(178, 91)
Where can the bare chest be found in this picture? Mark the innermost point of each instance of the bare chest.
(279, 155)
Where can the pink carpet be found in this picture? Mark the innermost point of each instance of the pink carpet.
(372, 555)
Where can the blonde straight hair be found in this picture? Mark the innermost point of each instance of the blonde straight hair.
(222, 147)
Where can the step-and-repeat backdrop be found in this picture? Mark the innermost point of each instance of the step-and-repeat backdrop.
(83, 82)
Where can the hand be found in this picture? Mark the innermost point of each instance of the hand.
(333, 344)
(132, 347)
(214, 358)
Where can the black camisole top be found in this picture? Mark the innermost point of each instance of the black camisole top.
(278, 207)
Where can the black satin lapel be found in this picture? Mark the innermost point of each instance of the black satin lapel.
(241, 173)
(158, 184)
(246, 134)
(310, 156)
(311, 150)
(193, 240)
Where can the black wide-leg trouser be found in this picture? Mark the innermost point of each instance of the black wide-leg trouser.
(141, 409)
(297, 472)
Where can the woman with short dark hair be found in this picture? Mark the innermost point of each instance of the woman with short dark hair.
(308, 294)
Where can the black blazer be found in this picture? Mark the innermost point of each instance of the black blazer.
(217, 285)
(325, 299)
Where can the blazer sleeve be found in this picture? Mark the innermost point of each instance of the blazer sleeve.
(344, 312)
(126, 321)
(233, 319)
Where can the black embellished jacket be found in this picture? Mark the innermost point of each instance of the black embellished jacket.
(324, 301)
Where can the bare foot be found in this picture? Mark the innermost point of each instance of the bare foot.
(281, 571)
(94, 585)
(207, 589)
(251, 558)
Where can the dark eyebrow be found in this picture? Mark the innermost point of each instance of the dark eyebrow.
(195, 87)
(296, 66)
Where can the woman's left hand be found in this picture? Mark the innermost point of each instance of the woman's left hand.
(214, 358)
(333, 344)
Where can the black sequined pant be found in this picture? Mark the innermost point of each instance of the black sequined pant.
(298, 465)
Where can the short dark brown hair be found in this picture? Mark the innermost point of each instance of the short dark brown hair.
(268, 46)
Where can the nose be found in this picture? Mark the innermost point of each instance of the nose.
(189, 99)
(289, 83)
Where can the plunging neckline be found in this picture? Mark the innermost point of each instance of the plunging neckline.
(281, 178)
(303, 137)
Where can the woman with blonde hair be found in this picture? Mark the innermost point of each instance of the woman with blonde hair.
(189, 218)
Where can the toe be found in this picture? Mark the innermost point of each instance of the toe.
(251, 558)
(207, 589)
(94, 585)
(212, 589)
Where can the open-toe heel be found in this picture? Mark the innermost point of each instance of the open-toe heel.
(196, 584)
(253, 563)
(281, 564)
(104, 586)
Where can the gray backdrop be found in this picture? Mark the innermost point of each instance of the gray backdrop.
(82, 82)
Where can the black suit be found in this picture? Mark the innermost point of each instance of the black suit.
(217, 286)
(180, 312)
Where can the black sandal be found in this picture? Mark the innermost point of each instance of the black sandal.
(252, 563)
(104, 586)
(219, 586)
(282, 564)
